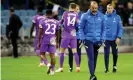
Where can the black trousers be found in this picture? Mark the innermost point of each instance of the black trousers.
(70, 59)
(14, 44)
(113, 45)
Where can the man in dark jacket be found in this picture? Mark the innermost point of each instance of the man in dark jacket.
(14, 26)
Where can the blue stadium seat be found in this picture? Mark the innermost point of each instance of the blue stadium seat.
(2, 19)
(31, 13)
(44, 11)
(23, 12)
(17, 12)
(3, 29)
(26, 18)
(6, 13)
(31, 18)
(22, 18)
(5, 20)
(29, 23)
(25, 26)
(59, 17)
(2, 13)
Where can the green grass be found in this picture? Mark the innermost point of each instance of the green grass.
(26, 68)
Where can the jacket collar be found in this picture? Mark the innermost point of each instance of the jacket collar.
(89, 12)
(114, 12)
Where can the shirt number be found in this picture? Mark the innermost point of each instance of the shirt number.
(53, 29)
(71, 21)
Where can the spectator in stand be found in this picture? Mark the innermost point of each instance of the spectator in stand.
(128, 17)
(119, 7)
(102, 6)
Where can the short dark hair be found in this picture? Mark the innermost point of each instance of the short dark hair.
(49, 12)
(73, 5)
(110, 5)
(40, 8)
(12, 9)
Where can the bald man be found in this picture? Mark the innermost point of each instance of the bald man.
(92, 32)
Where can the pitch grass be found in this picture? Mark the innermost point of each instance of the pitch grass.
(26, 68)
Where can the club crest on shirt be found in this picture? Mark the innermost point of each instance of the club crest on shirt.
(73, 32)
(114, 20)
(99, 18)
(53, 41)
(88, 16)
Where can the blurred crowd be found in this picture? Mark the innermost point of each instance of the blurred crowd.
(125, 10)
(123, 7)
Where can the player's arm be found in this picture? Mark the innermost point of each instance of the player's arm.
(40, 35)
(62, 19)
(32, 29)
(57, 39)
(57, 34)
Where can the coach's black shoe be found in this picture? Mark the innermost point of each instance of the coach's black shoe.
(49, 68)
(93, 77)
(114, 69)
(70, 70)
(106, 71)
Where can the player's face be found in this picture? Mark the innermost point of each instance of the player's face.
(110, 9)
(77, 9)
(11, 13)
(94, 9)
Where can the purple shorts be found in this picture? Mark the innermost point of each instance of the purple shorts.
(67, 41)
(47, 48)
(37, 52)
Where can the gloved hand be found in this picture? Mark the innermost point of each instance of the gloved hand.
(81, 42)
(103, 43)
(100, 43)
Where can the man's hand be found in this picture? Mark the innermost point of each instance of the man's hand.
(38, 45)
(103, 43)
(57, 45)
(117, 41)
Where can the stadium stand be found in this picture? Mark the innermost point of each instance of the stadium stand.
(26, 15)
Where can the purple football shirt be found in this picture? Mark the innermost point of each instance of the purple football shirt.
(49, 26)
(70, 20)
(36, 20)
